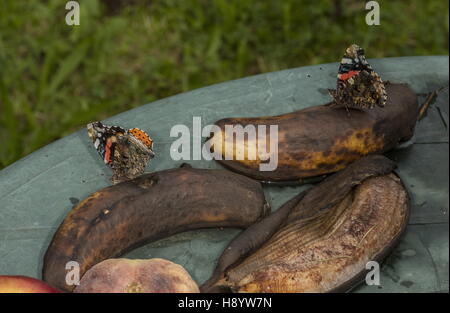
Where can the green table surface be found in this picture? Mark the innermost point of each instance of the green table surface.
(37, 191)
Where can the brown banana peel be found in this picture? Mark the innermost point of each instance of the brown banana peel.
(322, 238)
(317, 140)
(119, 218)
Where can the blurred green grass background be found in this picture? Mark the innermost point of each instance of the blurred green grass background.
(55, 78)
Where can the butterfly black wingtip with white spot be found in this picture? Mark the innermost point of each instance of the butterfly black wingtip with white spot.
(127, 152)
(358, 85)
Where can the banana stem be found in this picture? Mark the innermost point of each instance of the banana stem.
(424, 107)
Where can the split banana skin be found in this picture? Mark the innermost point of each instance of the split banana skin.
(319, 241)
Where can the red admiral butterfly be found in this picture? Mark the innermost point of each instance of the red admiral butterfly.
(358, 86)
(127, 152)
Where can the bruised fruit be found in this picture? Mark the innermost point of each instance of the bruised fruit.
(323, 238)
(136, 276)
(23, 284)
(119, 218)
(316, 140)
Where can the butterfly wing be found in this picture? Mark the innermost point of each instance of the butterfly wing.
(143, 139)
(358, 85)
(105, 140)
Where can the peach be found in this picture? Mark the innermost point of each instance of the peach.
(23, 284)
(136, 276)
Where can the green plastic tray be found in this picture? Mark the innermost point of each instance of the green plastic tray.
(38, 191)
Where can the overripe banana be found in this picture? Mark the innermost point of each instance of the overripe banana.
(317, 140)
(322, 238)
(121, 217)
